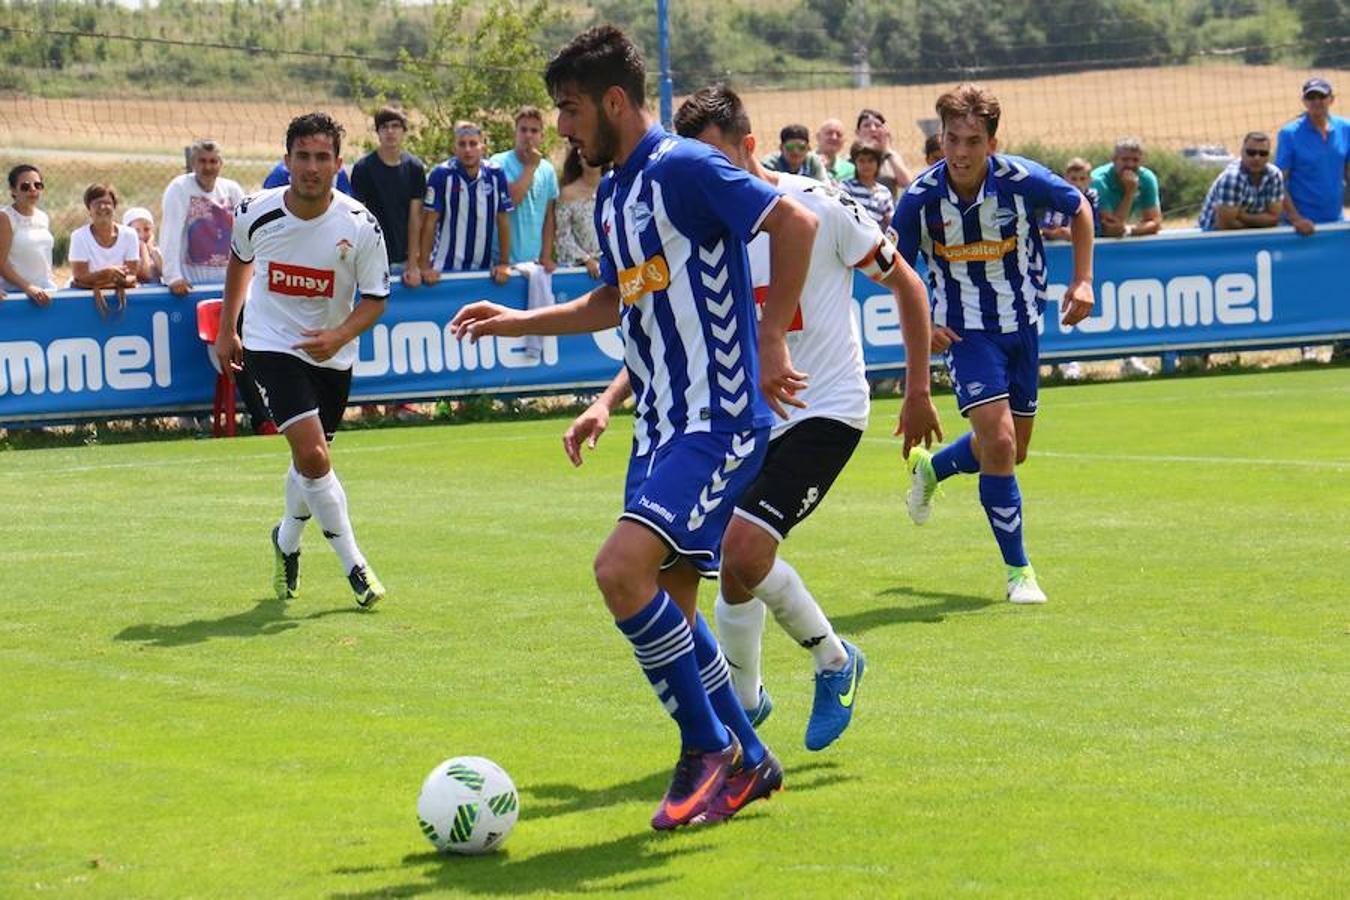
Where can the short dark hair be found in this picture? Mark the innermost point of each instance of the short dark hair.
(932, 144)
(1256, 136)
(794, 133)
(95, 191)
(17, 172)
(713, 105)
(386, 114)
(865, 148)
(596, 60)
(970, 100)
(311, 124)
(868, 113)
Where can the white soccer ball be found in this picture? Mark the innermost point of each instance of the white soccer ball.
(467, 805)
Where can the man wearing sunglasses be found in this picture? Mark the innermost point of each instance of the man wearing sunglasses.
(1249, 193)
(794, 155)
(1313, 154)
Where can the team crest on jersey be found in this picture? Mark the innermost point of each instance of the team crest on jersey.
(640, 214)
(1005, 217)
(299, 281)
(344, 247)
(649, 275)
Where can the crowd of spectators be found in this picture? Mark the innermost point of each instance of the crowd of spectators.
(510, 213)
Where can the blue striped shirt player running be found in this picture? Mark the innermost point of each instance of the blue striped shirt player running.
(466, 222)
(974, 217)
(673, 219)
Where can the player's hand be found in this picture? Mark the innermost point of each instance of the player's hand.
(484, 318)
(412, 277)
(779, 382)
(180, 287)
(431, 276)
(1077, 303)
(586, 427)
(943, 337)
(323, 344)
(918, 422)
(229, 351)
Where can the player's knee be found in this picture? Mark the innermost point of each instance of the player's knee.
(312, 461)
(999, 449)
(746, 556)
(613, 574)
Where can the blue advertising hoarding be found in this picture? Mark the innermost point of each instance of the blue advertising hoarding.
(1176, 291)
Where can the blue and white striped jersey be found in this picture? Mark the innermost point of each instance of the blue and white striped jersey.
(673, 222)
(986, 262)
(466, 232)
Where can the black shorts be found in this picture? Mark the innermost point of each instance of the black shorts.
(801, 465)
(293, 389)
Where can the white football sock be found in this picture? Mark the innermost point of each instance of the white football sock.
(293, 523)
(740, 627)
(784, 592)
(329, 503)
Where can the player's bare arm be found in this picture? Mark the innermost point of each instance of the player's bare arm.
(593, 311)
(791, 229)
(918, 421)
(229, 348)
(592, 423)
(323, 344)
(1077, 303)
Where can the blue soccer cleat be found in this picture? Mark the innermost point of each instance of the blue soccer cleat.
(761, 711)
(836, 696)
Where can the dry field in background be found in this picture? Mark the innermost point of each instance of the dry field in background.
(1171, 107)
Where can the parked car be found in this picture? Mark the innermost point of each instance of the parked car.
(1210, 156)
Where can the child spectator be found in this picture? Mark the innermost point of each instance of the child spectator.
(865, 186)
(142, 221)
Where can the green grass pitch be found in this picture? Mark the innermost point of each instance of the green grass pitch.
(1175, 722)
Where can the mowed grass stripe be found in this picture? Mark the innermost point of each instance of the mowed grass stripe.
(1171, 723)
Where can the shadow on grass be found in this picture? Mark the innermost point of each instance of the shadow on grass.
(269, 617)
(940, 606)
(643, 860)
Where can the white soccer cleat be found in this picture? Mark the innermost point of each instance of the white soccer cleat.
(922, 485)
(1022, 586)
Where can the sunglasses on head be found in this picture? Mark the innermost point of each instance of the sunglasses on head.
(30, 186)
(1251, 152)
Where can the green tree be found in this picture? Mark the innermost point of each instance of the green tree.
(482, 61)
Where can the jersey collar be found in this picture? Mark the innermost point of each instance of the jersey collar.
(987, 190)
(638, 158)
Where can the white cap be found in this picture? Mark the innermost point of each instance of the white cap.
(138, 212)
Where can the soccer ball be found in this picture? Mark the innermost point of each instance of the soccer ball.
(467, 805)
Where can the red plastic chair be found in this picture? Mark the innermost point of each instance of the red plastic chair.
(208, 327)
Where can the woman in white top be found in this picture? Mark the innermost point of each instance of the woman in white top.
(105, 253)
(26, 239)
(577, 243)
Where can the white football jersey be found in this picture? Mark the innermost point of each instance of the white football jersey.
(823, 339)
(306, 272)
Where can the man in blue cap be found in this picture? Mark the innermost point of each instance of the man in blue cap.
(1313, 153)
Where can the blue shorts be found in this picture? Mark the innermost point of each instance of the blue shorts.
(685, 491)
(991, 366)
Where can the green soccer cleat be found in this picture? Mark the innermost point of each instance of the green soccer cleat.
(1022, 586)
(922, 485)
(285, 570)
(365, 586)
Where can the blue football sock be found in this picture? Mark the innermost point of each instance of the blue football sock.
(956, 457)
(664, 647)
(1003, 505)
(716, 676)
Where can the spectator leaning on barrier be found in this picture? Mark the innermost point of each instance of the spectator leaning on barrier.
(104, 254)
(26, 239)
(1077, 172)
(1249, 193)
(830, 149)
(794, 155)
(197, 215)
(466, 223)
(872, 128)
(1128, 189)
(578, 244)
(390, 181)
(142, 221)
(1313, 153)
(863, 187)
